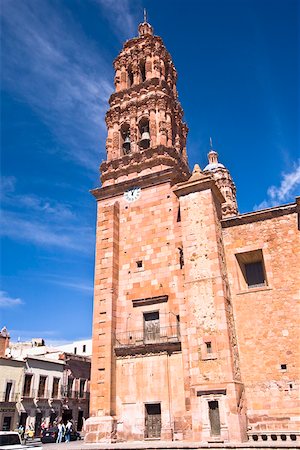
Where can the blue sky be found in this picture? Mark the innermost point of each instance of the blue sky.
(238, 81)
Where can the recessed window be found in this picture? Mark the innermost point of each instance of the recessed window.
(252, 269)
(83, 348)
(143, 70)
(283, 366)
(27, 385)
(139, 264)
(42, 386)
(75, 350)
(208, 347)
(8, 391)
(55, 387)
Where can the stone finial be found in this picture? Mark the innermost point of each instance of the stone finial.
(196, 174)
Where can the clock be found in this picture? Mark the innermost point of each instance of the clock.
(132, 194)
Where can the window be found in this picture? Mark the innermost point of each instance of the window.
(252, 269)
(151, 327)
(208, 347)
(8, 392)
(139, 264)
(42, 386)
(83, 348)
(27, 385)
(70, 387)
(75, 350)
(55, 387)
(81, 388)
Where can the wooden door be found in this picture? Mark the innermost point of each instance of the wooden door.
(153, 421)
(214, 418)
(151, 327)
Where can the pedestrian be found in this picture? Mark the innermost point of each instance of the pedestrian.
(61, 432)
(69, 429)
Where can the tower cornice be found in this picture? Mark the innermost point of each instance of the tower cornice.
(138, 162)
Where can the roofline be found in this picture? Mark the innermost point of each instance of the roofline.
(263, 214)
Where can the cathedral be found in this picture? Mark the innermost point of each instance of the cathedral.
(195, 323)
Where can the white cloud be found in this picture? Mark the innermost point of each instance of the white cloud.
(69, 235)
(50, 63)
(285, 192)
(121, 18)
(86, 286)
(8, 302)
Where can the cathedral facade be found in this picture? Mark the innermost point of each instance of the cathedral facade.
(195, 305)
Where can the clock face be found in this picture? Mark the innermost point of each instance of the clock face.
(132, 194)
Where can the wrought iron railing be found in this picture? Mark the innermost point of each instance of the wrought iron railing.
(137, 338)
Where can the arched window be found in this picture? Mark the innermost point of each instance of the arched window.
(130, 77)
(144, 133)
(143, 70)
(125, 139)
(166, 71)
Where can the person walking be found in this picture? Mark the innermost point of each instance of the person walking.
(68, 431)
(61, 432)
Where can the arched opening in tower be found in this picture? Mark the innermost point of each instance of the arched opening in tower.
(143, 70)
(144, 133)
(125, 139)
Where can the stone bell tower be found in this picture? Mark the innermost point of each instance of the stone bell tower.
(165, 362)
(145, 128)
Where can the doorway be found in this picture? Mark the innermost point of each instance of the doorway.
(6, 423)
(67, 415)
(80, 421)
(23, 419)
(214, 418)
(37, 425)
(152, 421)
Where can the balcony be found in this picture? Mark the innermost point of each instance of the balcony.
(74, 394)
(142, 342)
(11, 398)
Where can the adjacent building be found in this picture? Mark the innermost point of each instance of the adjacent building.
(41, 384)
(196, 307)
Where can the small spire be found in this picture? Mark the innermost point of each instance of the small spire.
(145, 28)
(210, 143)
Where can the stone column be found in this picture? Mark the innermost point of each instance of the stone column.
(100, 426)
(208, 315)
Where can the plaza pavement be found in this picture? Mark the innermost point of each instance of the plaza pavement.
(173, 445)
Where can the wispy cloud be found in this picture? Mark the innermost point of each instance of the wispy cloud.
(40, 221)
(121, 17)
(52, 234)
(285, 192)
(86, 286)
(9, 302)
(49, 63)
